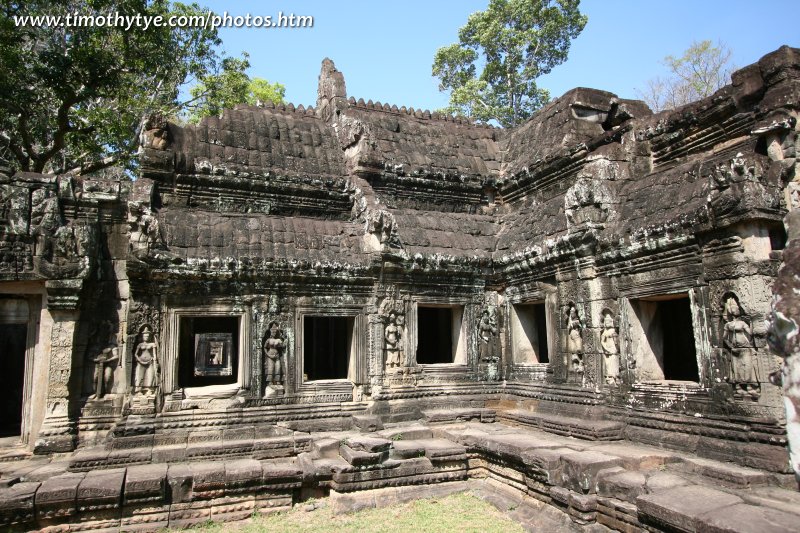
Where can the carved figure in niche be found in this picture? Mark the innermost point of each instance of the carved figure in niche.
(146, 356)
(727, 181)
(382, 224)
(737, 341)
(609, 344)
(144, 230)
(45, 219)
(104, 365)
(574, 339)
(393, 335)
(66, 243)
(274, 346)
(488, 334)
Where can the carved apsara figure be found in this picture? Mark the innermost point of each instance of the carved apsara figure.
(488, 334)
(146, 356)
(737, 340)
(274, 347)
(393, 335)
(574, 339)
(104, 365)
(609, 345)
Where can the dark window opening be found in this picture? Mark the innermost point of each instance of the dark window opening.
(541, 333)
(680, 357)
(326, 347)
(13, 341)
(434, 335)
(777, 238)
(208, 351)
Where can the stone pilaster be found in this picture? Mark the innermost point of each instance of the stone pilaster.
(58, 428)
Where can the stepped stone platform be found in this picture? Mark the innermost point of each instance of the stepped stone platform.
(546, 481)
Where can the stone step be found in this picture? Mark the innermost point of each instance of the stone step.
(406, 432)
(152, 496)
(215, 450)
(566, 426)
(728, 473)
(438, 416)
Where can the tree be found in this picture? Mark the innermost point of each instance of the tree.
(232, 86)
(519, 40)
(702, 70)
(75, 99)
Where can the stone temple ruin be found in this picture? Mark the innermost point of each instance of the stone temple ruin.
(366, 301)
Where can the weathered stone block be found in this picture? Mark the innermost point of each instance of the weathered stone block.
(242, 475)
(362, 458)
(623, 485)
(180, 480)
(579, 469)
(369, 423)
(544, 464)
(362, 443)
(407, 449)
(208, 480)
(681, 507)
(101, 489)
(17, 503)
(169, 454)
(56, 497)
(744, 518)
(145, 484)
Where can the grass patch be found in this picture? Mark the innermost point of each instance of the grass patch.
(458, 512)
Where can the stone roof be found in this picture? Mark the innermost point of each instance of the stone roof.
(587, 160)
(423, 142)
(206, 235)
(459, 234)
(258, 140)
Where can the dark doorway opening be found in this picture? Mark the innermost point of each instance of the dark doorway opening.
(680, 357)
(434, 335)
(13, 341)
(326, 347)
(197, 334)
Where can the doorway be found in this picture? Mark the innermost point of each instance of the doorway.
(13, 343)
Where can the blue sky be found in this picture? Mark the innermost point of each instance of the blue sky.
(385, 49)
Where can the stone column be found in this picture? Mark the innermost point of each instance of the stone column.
(58, 432)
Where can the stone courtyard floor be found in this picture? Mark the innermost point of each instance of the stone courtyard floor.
(542, 481)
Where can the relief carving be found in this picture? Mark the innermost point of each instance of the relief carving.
(146, 357)
(392, 314)
(609, 343)
(573, 360)
(739, 348)
(587, 203)
(104, 365)
(274, 347)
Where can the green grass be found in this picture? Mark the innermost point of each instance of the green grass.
(458, 512)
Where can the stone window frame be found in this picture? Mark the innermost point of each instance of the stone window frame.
(699, 331)
(550, 301)
(413, 332)
(171, 350)
(358, 361)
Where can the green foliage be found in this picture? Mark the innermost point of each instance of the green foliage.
(231, 86)
(263, 91)
(515, 41)
(75, 99)
(703, 69)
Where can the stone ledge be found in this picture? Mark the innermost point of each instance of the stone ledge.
(566, 426)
